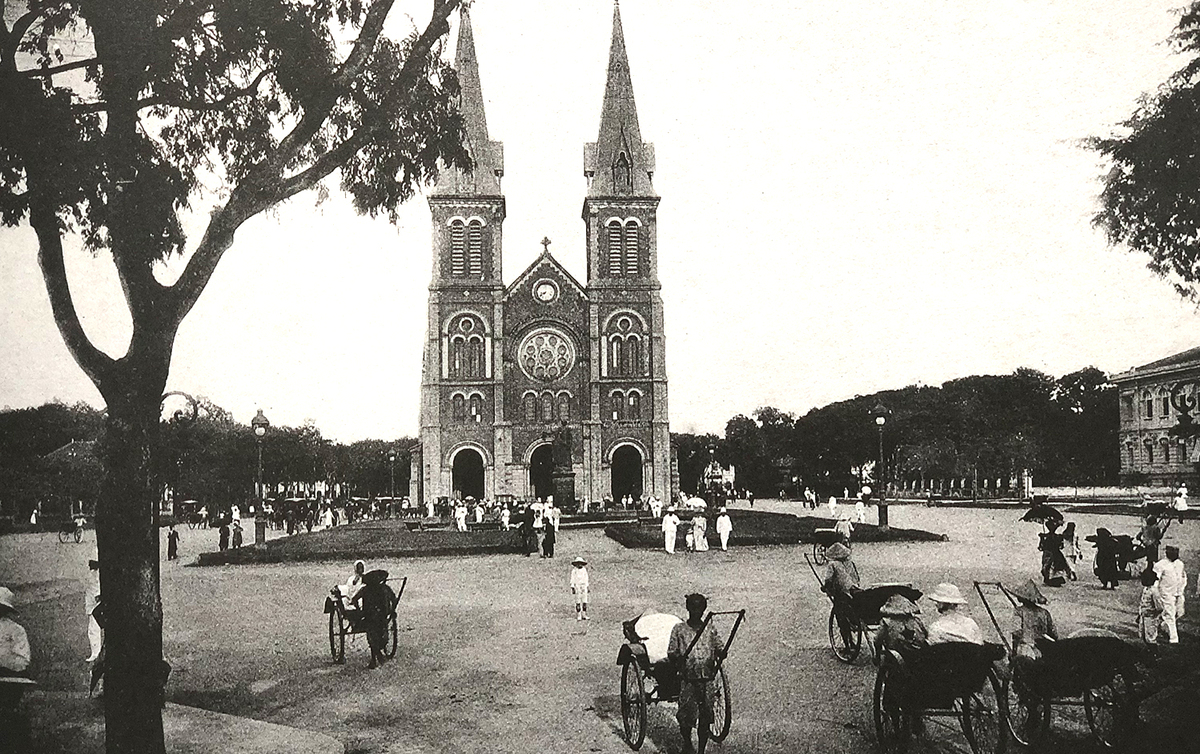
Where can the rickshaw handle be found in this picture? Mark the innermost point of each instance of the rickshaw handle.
(741, 614)
(816, 575)
(987, 606)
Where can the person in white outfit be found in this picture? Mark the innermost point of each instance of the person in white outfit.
(505, 517)
(724, 528)
(832, 506)
(90, 597)
(1172, 580)
(579, 587)
(670, 528)
(860, 510)
(460, 516)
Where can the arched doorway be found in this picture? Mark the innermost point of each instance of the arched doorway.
(467, 477)
(541, 471)
(626, 472)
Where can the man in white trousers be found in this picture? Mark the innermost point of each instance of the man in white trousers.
(724, 528)
(1172, 580)
(670, 527)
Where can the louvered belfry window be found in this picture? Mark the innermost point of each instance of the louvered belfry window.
(458, 249)
(614, 248)
(631, 249)
(475, 249)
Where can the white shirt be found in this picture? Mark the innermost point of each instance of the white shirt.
(1172, 578)
(14, 646)
(670, 522)
(954, 626)
(579, 578)
(724, 524)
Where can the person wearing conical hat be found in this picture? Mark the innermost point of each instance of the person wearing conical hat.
(900, 627)
(952, 623)
(579, 587)
(1031, 622)
(841, 582)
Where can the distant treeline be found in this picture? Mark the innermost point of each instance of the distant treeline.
(976, 428)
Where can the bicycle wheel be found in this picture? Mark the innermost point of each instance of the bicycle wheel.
(1028, 713)
(721, 708)
(819, 556)
(337, 637)
(78, 536)
(64, 537)
(983, 716)
(633, 704)
(891, 721)
(392, 637)
(845, 644)
(1111, 711)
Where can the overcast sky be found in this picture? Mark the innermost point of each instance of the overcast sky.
(855, 196)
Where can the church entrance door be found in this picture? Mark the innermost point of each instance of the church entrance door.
(541, 471)
(626, 472)
(468, 474)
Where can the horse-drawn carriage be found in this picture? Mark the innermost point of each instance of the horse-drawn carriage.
(643, 662)
(345, 619)
(1092, 668)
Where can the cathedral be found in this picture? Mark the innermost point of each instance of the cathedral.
(509, 368)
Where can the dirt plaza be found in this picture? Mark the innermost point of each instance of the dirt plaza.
(491, 659)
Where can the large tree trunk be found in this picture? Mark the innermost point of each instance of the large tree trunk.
(127, 538)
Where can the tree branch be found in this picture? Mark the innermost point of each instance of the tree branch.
(36, 73)
(219, 104)
(94, 362)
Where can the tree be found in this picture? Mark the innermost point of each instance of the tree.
(1149, 201)
(260, 96)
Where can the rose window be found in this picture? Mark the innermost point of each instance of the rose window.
(546, 355)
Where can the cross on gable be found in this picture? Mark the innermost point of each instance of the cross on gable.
(545, 245)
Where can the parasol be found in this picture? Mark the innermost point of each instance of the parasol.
(1042, 513)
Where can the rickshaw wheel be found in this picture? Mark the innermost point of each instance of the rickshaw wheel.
(1028, 715)
(633, 704)
(983, 717)
(64, 536)
(720, 707)
(891, 722)
(819, 556)
(845, 648)
(1110, 710)
(392, 637)
(337, 636)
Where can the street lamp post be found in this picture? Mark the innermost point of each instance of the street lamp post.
(880, 412)
(260, 423)
(392, 462)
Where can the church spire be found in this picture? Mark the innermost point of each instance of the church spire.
(619, 163)
(488, 155)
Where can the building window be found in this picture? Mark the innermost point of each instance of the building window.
(631, 249)
(1149, 454)
(459, 407)
(1132, 456)
(547, 408)
(1166, 406)
(635, 405)
(458, 249)
(1149, 408)
(626, 354)
(477, 407)
(564, 407)
(1127, 407)
(618, 405)
(622, 174)
(1166, 452)
(614, 248)
(468, 349)
(475, 249)
(530, 408)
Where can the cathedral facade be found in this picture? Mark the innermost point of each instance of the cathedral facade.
(507, 367)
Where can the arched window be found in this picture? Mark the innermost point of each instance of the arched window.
(458, 249)
(459, 410)
(633, 356)
(635, 405)
(616, 355)
(618, 405)
(1132, 458)
(1149, 454)
(476, 407)
(1149, 407)
(530, 408)
(458, 356)
(631, 248)
(547, 408)
(626, 343)
(1166, 452)
(467, 348)
(615, 264)
(564, 407)
(622, 173)
(1166, 405)
(475, 249)
(474, 362)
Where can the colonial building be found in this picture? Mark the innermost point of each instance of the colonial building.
(508, 365)
(1149, 453)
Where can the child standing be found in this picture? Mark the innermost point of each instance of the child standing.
(579, 587)
(1150, 607)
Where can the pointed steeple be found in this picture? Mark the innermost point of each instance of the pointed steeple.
(619, 163)
(488, 155)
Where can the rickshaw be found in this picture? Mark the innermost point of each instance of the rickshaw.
(346, 620)
(861, 621)
(823, 538)
(637, 669)
(70, 530)
(1092, 668)
(957, 680)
